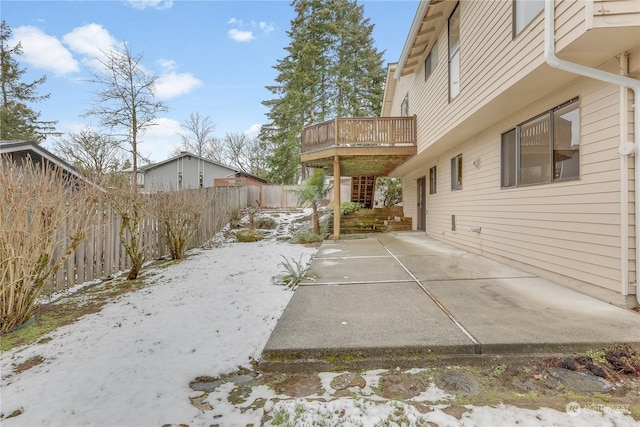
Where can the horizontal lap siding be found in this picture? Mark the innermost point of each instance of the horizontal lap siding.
(570, 22)
(609, 13)
(569, 228)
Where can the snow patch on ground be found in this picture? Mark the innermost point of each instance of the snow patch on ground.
(131, 363)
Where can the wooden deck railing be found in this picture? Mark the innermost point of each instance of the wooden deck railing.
(370, 131)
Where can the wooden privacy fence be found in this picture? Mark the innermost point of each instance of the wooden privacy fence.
(282, 196)
(279, 196)
(102, 254)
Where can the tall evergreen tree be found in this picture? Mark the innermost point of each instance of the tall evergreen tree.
(17, 119)
(331, 69)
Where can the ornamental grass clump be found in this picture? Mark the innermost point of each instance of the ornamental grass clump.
(44, 216)
(295, 271)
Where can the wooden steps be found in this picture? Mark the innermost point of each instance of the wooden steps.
(377, 220)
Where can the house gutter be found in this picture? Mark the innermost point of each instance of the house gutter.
(607, 77)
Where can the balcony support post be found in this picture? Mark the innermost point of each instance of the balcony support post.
(336, 198)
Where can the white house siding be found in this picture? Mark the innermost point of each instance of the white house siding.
(608, 13)
(569, 229)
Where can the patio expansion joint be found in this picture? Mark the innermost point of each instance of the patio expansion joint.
(476, 343)
(362, 282)
(478, 279)
(353, 257)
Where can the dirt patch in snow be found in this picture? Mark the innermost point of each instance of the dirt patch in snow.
(526, 385)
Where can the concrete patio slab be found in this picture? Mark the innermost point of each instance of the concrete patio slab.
(404, 296)
(413, 243)
(330, 320)
(349, 248)
(359, 270)
(534, 315)
(458, 266)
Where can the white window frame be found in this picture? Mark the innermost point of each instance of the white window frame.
(454, 53)
(404, 107)
(431, 62)
(525, 11)
(512, 153)
(433, 180)
(456, 173)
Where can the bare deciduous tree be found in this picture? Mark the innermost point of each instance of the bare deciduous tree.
(126, 102)
(42, 211)
(91, 153)
(245, 153)
(198, 138)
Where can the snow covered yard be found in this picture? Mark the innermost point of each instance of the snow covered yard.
(169, 354)
(131, 363)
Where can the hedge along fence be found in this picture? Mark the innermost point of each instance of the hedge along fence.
(102, 255)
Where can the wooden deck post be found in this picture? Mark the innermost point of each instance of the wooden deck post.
(336, 198)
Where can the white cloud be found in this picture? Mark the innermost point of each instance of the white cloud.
(160, 140)
(172, 84)
(91, 41)
(265, 27)
(240, 35)
(167, 64)
(155, 4)
(44, 51)
(253, 130)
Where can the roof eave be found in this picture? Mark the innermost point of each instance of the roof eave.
(413, 32)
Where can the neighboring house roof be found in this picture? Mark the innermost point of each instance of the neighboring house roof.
(37, 153)
(232, 171)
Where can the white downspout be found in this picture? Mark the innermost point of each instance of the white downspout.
(615, 79)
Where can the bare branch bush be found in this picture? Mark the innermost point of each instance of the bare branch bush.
(133, 209)
(181, 213)
(44, 216)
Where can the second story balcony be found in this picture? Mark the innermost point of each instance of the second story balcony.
(372, 146)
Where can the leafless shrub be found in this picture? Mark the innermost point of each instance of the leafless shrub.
(133, 208)
(180, 212)
(252, 211)
(44, 216)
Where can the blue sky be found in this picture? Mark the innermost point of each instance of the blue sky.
(212, 57)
